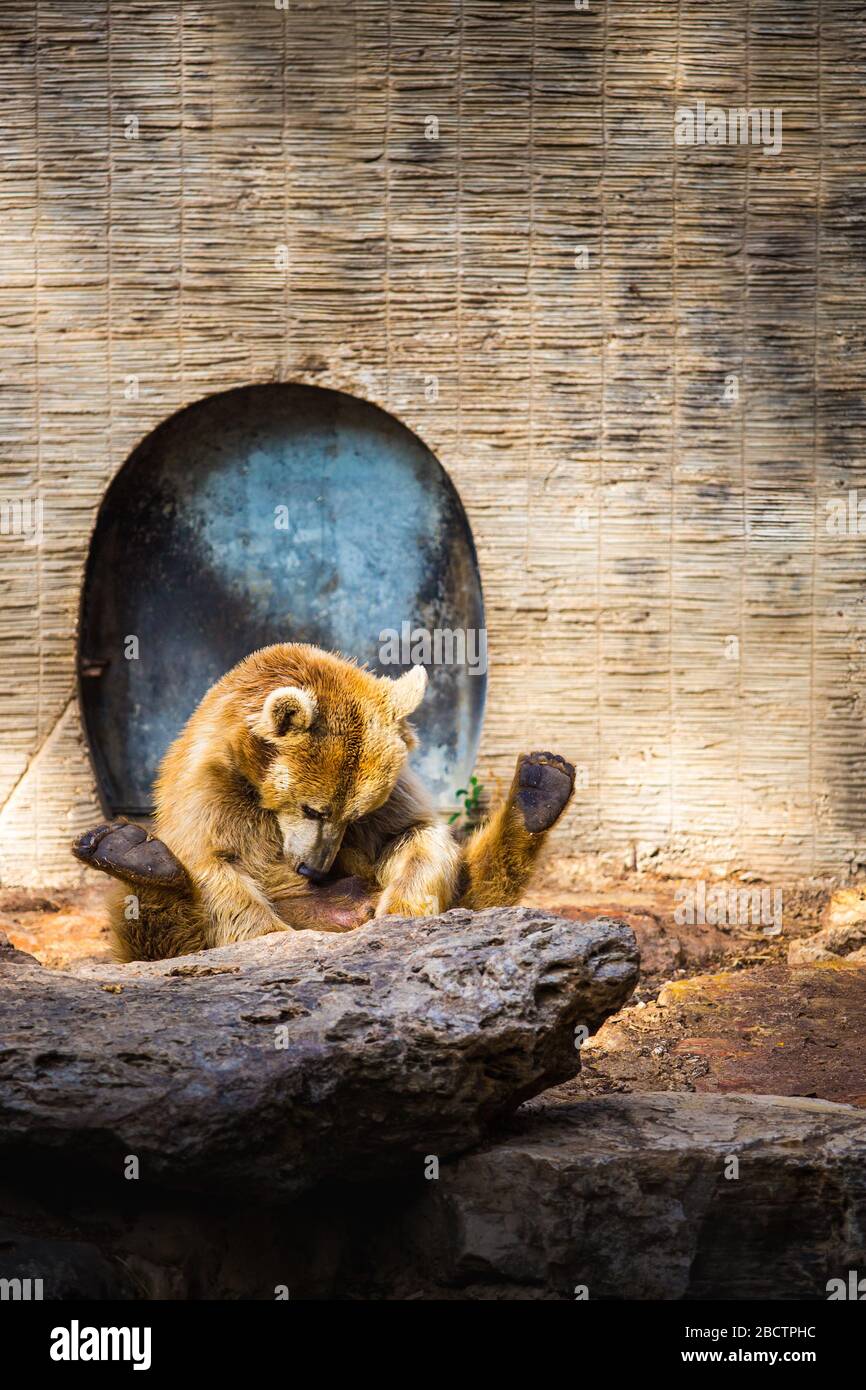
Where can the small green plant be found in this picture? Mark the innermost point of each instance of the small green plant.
(471, 797)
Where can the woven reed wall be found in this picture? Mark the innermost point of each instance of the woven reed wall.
(665, 602)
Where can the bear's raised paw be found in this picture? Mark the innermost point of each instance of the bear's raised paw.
(542, 788)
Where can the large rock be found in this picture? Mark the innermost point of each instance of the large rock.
(843, 942)
(631, 1197)
(638, 1197)
(264, 1067)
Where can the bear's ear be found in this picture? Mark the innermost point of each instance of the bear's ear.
(287, 710)
(407, 692)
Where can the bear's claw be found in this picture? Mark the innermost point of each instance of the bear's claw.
(543, 784)
(129, 853)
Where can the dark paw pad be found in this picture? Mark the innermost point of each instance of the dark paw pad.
(127, 852)
(542, 787)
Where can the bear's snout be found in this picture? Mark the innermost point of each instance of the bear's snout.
(314, 875)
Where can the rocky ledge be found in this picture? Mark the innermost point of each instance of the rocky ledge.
(626, 1197)
(671, 1196)
(265, 1067)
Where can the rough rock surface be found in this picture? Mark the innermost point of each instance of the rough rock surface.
(627, 1197)
(266, 1066)
(845, 908)
(841, 942)
(633, 1197)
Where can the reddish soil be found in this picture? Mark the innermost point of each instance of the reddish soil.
(718, 1008)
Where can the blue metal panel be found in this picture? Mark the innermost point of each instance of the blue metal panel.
(191, 556)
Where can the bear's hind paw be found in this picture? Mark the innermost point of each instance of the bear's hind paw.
(128, 852)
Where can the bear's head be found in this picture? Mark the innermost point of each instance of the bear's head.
(334, 744)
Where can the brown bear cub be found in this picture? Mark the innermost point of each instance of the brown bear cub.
(286, 802)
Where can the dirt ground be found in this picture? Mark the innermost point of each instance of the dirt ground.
(718, 1007)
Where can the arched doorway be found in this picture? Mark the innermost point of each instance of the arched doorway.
(267, 514)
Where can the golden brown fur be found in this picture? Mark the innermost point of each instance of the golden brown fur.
(297, 757)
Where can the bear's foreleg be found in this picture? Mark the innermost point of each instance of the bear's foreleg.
(236, 907)
(419, 872)
(499, 857)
